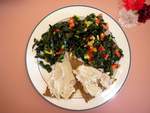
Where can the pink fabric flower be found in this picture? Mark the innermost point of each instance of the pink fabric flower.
(133, 4)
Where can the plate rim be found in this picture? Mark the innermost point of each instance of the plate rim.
(77, 5)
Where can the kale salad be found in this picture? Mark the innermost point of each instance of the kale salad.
(88, 39)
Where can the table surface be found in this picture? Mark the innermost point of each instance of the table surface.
(17, 20)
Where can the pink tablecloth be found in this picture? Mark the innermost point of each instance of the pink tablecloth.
(17, 20)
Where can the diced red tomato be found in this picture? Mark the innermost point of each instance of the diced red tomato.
(56, 30)
(60, 51)
(71, 23)
(101, 48)
(117, 53)
(71, 20)
(90, 54)
(102, 36)
(105, 26)
(105, 56)
(92, 49)
(114, 66)
(97, 20)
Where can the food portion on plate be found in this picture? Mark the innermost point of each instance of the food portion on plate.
(80, 54)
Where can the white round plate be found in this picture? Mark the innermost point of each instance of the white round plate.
(78, 103)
